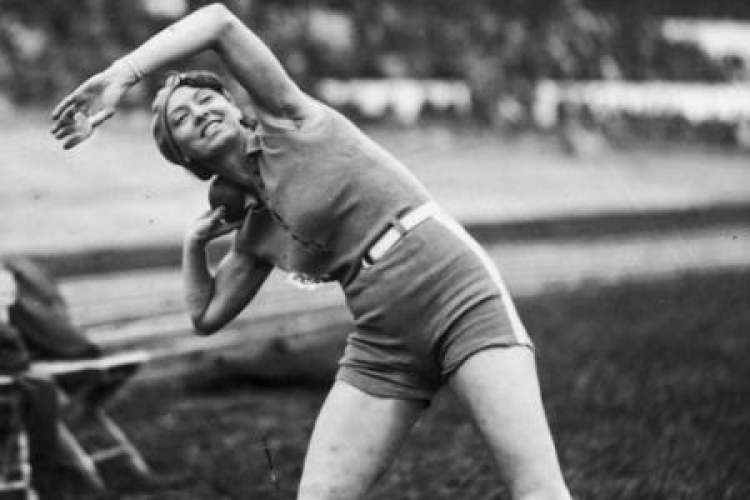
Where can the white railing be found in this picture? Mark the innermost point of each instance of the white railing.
(717, 38)
(696, 102)
(405, 98)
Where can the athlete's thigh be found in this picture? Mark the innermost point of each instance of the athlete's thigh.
(500, 388)
(355, 439)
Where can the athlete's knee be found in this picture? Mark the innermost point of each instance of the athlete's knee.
(549, 490)
(329, 485)
(322, 490)
(312, 491)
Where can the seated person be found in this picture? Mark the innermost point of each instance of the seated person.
(42, 316)
(37, 318)
(39, 399)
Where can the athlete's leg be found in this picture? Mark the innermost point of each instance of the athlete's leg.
(500, 388)
(354, 441)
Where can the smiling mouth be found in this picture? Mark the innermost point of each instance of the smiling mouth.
(209, 127)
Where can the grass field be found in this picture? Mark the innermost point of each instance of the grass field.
(646, 384)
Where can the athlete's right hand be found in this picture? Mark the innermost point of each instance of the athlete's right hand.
(210, 225)
(91, 104)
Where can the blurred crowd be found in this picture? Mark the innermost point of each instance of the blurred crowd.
(496, 53)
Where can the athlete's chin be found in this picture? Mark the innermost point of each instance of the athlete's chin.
(217, 142)
(214, 146)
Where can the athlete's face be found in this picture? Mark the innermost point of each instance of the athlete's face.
(204, 122)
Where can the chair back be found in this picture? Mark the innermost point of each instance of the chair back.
(42, 317)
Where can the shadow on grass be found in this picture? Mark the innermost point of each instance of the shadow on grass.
(647, 388)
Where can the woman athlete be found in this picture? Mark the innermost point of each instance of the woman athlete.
(430, 310)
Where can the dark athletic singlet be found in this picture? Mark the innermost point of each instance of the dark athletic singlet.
(333, 188)
(419, 312)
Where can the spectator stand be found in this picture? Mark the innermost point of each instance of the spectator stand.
(715, 109)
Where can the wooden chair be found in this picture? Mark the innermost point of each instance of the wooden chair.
(15, 467)
(84, 378)
(85, 388)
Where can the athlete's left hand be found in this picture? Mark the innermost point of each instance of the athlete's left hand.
(91, 104)
(211, 225)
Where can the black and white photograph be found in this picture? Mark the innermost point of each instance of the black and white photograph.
(387, 250)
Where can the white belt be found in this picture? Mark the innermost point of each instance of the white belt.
(398, 230)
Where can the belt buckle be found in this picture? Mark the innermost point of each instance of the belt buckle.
(397, 225)
(366, 260)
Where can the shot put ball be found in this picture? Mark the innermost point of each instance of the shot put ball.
(224, 193)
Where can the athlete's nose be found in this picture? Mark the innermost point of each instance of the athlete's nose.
(201, 114)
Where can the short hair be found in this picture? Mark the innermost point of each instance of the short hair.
(160, 127)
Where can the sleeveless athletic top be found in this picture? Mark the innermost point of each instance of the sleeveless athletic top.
(328, 192)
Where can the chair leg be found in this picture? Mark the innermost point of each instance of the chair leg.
(15, 452)
(124, 443)
(25, 467)
(80, 459)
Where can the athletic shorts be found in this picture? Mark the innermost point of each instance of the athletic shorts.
(426, 306)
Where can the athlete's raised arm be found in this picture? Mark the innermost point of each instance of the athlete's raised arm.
(273, 93)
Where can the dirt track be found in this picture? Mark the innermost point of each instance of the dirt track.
(115, 192)
(529, 268)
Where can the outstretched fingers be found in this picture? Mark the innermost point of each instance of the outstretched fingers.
(84, 109)
(74, 127)
(68, 105)
(100, 117)
(63, 121)
(81, 99)
(74, 141)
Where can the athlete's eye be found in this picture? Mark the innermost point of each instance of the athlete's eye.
(178, 119)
